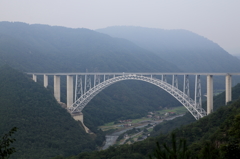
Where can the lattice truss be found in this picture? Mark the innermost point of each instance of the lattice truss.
(86, 89)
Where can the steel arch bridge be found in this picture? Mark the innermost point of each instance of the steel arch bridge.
(193, 106)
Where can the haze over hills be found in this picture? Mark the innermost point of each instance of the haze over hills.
(37, 48)
(189, 51)
(42, 48)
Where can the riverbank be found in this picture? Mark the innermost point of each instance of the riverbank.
(143, 131)
(152, 116)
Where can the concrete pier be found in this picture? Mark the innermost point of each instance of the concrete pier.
(45, 80)
(209, 94)
(57, 87)
(79, 117)
(86, 79)
(34, 77)
(69, 90)
(228, 88)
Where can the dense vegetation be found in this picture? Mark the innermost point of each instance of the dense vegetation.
(217, 133)
(168, 126)
(42, 48)
(5, 144)
(45, 129)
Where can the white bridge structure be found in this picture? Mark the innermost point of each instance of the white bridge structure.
(88, 85)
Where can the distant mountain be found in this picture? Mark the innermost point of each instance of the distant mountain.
(45, 129)
(238, 56)
(42, 48)
(189, 51)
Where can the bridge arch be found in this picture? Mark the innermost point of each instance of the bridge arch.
(183, 98)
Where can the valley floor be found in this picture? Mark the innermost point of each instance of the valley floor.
(130, 131)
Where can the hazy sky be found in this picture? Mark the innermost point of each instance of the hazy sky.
(217, 20)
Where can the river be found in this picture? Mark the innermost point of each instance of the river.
(111, 139)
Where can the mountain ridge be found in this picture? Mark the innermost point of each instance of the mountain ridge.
(37, 48)
(189, 51)
(57, 44)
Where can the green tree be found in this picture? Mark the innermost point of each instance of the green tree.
(231, 149)
(209, 151)
(5, 141)
(178, 151)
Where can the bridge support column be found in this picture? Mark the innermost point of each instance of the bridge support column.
(57, 87)
(209, 94)
(186, 85)
(45, 80)
(228, 88)
(198, 92)
(34, 78)
(69, 90)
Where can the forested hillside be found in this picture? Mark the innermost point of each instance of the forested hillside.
(42, 48)
(214, 136)
(189, 51)
(45, 129)
(168, 126)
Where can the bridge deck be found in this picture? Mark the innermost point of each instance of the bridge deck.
(137, 73)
